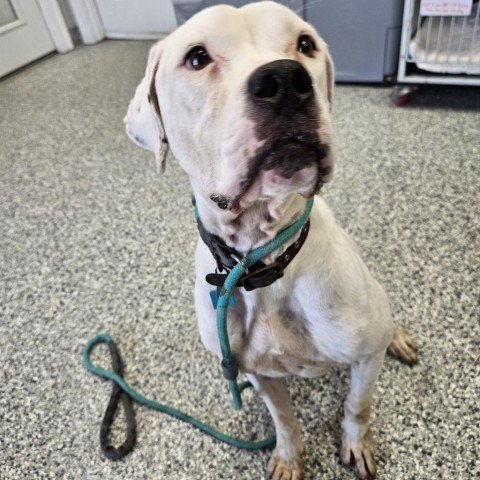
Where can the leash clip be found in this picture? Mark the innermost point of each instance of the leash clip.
(240, 261)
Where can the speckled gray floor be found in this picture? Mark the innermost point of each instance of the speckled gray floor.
(92, 240)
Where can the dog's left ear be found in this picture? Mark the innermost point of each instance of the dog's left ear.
(330, 78)
(143, 121)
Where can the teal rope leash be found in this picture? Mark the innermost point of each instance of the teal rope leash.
(132, 393)
(229, 364)
(123, 391)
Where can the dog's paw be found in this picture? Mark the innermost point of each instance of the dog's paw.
(278, 469)
(403, 348)
(361, 454)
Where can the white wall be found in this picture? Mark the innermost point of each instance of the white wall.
(137, 18)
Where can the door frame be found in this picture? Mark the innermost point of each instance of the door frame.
(88, 20)
(56, 24)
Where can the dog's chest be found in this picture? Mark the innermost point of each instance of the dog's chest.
(275, 341)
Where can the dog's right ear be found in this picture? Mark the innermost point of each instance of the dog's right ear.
(143, 121)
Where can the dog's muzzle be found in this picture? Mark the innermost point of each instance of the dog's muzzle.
(282, 104)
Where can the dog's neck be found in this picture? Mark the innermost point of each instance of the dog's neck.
(253, 226)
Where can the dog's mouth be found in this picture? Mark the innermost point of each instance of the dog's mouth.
(289, 155)
(298, 161)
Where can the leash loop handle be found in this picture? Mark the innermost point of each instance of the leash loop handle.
(267, 443)
(117, 395)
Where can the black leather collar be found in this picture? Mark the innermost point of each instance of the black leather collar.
(260, 274)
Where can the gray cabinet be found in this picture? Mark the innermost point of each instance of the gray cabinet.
(363, 36)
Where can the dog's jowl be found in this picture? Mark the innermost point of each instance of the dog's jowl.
(242, 98)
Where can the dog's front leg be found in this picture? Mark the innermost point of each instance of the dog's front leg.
(357, 443)
(286, 461)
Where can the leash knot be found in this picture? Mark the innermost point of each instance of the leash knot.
(229, 369)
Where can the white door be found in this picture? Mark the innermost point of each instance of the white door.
(24, 35)
(136, 18)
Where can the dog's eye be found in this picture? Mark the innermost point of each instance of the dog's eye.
(197, 58)
(306, 45)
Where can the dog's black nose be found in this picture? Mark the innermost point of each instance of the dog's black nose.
(283, 85)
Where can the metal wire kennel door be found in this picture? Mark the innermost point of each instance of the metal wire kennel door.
(445, 49)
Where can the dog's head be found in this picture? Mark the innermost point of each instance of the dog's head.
(242, 97)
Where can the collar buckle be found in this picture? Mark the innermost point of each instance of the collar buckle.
(262, 277)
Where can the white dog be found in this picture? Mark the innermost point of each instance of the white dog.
(242, 97)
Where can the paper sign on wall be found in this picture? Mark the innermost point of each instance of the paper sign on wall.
(434, 8)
